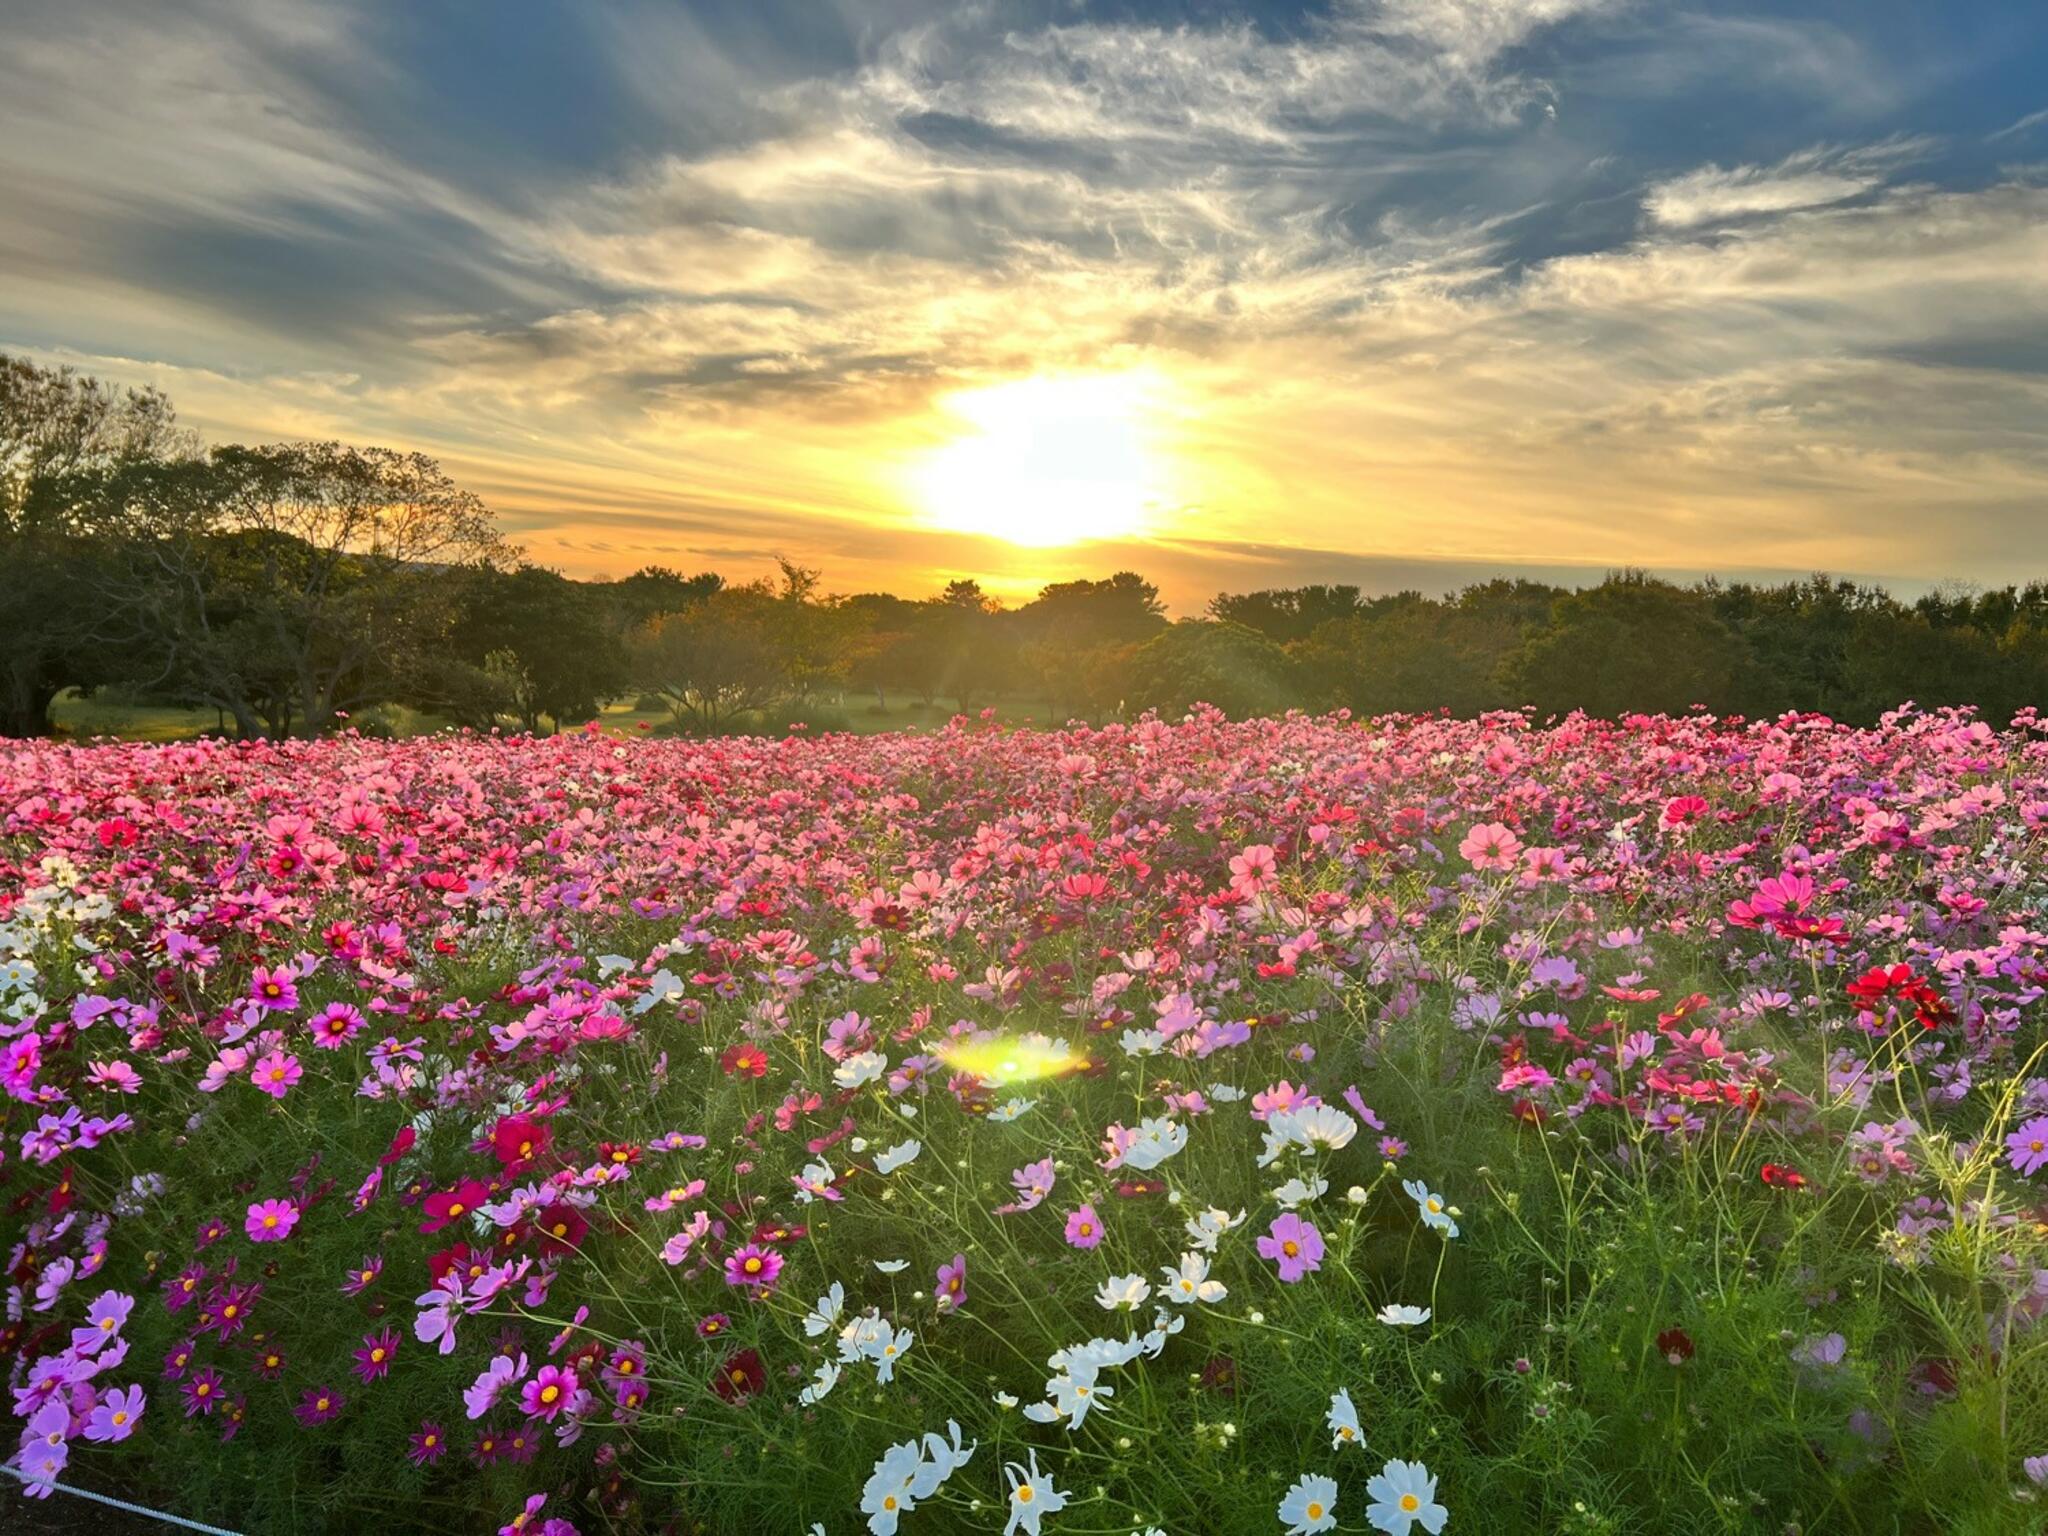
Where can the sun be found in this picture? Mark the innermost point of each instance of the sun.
(1046, 460)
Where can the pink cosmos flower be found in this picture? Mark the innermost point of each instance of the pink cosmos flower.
(276, 1073)
(1491, 845)
(275, 991)
(1293, 1245)
(950, 1286)
(1084, 1228)
(335, 1025)
(271, 1221)
(1254, 869)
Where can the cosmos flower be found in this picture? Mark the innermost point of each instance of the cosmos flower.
(1294, 1246)
(1310, 1505)
(271, 1221)
(1342, 1421)
(1403, 1496)
(754, 1266)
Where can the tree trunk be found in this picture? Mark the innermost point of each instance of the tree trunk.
(25, 706)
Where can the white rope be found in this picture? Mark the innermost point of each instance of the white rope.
(121, 1504)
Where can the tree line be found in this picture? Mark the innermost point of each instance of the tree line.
(287, 587)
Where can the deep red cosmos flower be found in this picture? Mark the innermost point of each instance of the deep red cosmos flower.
(1675, 1345)
(1779, 1176)
(740, 1377)
(517, 1140)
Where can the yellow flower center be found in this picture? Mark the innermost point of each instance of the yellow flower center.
(120, 1417)
(1291, 1248)
(1315, 1510)
(1024, 1494)
(455, 1208)
(377, 1355)
(1410, 1503)
(752, 1266)
(549, 1394)
(268, 1223)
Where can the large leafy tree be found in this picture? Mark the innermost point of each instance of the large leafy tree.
(57, 430)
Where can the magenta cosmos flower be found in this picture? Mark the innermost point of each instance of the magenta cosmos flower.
(1294, 1245)
(551, 1392)
(754, 1266)
(319, 1405)
(271, 1221)
(373, 1360)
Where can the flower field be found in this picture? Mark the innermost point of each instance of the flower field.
(1284, 1126)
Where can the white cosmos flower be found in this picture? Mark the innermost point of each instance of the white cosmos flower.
(825, 1315)
(1071, 1395)
(1122, 1293)
(1296, 1193)
(1343, 1421)
(1310, 1505)
(1403, 1497)
(814, 1182)
(1191, 1282)
(1205, 1227)
(904, 1152)
(1158, 1139)
(822, 1384)
(1032, 1497)
(1142, 1042)
(860, 1069)
(1430, 1205)
(891, 1266)
(1402, 1316)
(886, 1496)
(1011, 1110)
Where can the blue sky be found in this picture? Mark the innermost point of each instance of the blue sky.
(1434, 286)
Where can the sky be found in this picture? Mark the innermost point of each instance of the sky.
(1395, 292)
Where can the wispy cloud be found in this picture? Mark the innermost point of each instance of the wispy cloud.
(1442, 280)
(1810, 179)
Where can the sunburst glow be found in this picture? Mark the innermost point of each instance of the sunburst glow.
(1047, 461)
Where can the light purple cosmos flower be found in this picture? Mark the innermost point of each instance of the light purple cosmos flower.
(950, 1287)
(2028, 1146)
(482, 1395)
(114, 1416)
(1294, 1245)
